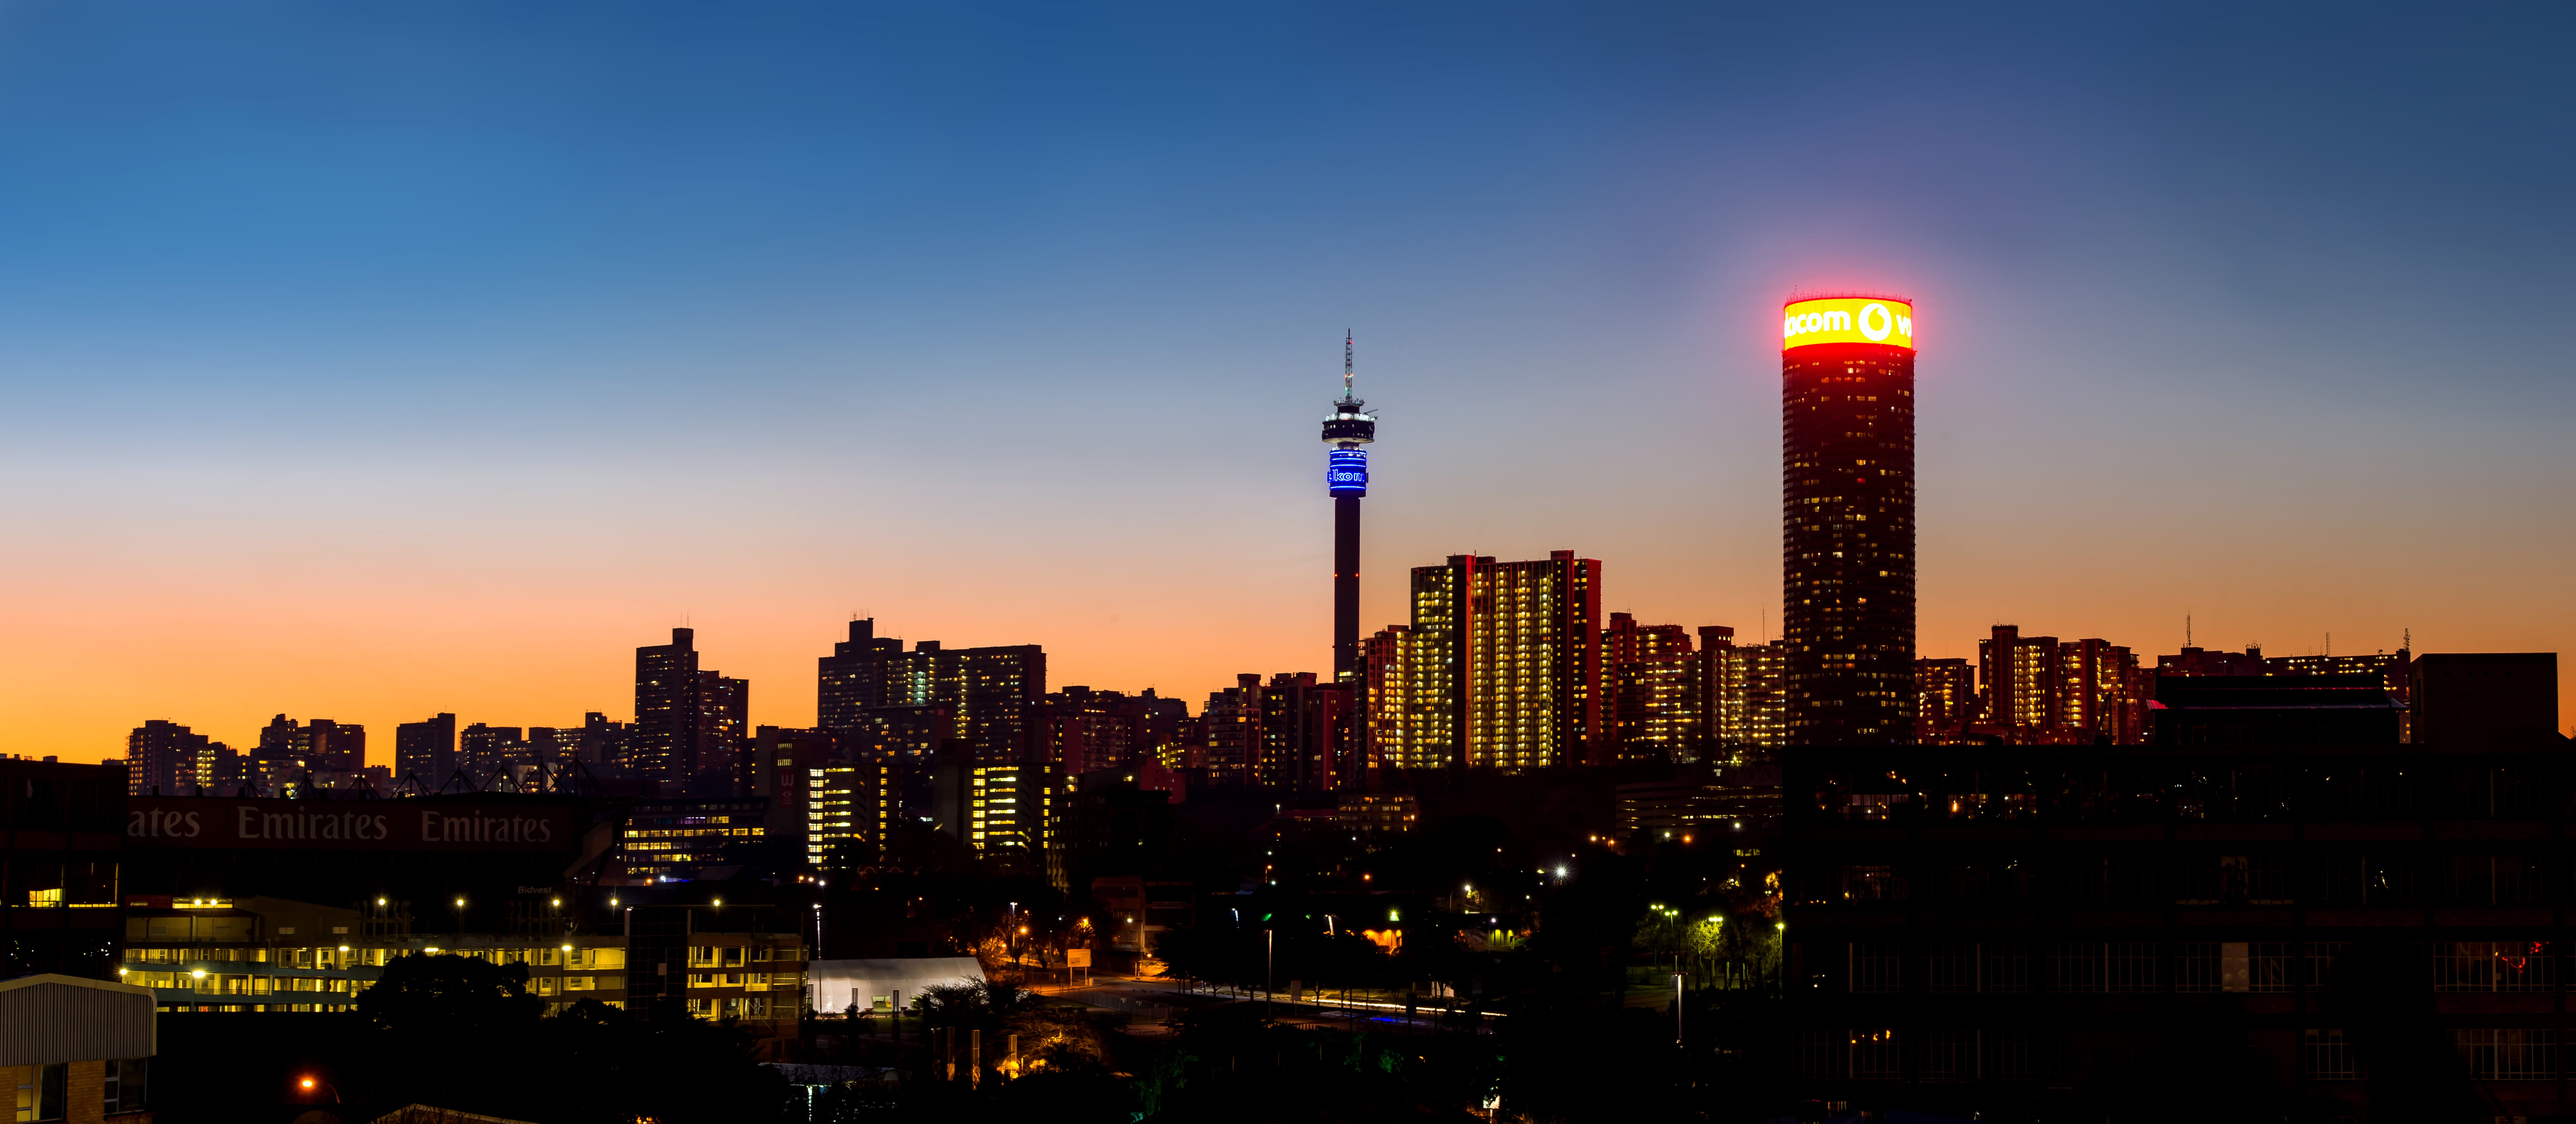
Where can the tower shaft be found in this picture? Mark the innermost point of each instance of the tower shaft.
(1346, 587)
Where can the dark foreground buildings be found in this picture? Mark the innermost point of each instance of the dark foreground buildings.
(2289, 911)
(1847, 518)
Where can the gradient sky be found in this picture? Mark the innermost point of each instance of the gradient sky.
(369, 361)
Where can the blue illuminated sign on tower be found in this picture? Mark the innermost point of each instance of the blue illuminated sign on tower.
(1346, 472)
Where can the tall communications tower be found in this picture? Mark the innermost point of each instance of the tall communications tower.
(1348, 427)
(1847, 518)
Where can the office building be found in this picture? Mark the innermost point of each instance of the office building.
(784, 767)
(425, 752)
(1501, 666)
(689, 840)
(1847, 509)
(1346, 429)
(261, 954)
(691, 723)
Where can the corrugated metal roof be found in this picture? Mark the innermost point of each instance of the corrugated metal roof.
(45, 1019)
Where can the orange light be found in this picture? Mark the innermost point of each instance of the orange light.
(308, 1082)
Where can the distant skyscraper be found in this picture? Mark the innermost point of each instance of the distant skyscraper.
(168, 759)
(290, 751)
(1847, 483)
(690, 722)
(1748, 693)
(2038, 690)
(853, 676)
(1502, 665)
(1945, 693)
(487, 751)
(426, 751)
(994, 695)
(1657, 690)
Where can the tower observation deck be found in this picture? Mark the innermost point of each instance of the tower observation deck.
(1348, 427)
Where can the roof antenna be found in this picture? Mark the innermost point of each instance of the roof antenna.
(2186, 630)
(1346, 364)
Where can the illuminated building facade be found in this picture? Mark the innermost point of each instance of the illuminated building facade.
(1945, 700)
(1749, 695)
(169, 759)
(1384, 678)
(1502, 665)
(1847, 492)
(2017, 679)
(273, 955)
(1658, 688)
(678, 840)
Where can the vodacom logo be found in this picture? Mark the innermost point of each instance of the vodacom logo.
(1848, 320)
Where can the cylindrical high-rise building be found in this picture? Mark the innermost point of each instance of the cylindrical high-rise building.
(1847, 518)
(1348, 427)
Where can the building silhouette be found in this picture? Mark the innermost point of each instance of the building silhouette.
(1847, 513)
(425, 751)
(691, 723)
(994, 696)
(168, 759)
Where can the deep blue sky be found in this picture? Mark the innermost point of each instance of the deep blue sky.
(370, 360)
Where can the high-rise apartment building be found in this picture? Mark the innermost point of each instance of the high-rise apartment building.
(1086, 729)
(1748, 693)
(289, 752)
(1233, 729)
(2035, 690)
(486, 752)
(691, 723)
(167, 759)
(1945, 700)
(1385, 675)
(994, 695)
(1658, 687)
(425, 751)
(1847, 499)
(1502, 666)
(852, 678)
(2017, 681)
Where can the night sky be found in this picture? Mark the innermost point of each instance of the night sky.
(369, 361)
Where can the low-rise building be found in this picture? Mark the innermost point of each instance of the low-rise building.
(75, 1049)
(271, 955)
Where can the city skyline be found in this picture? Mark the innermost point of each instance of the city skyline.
(447, 397)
